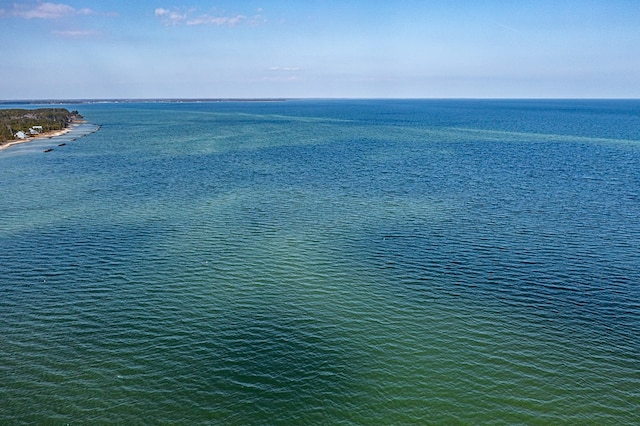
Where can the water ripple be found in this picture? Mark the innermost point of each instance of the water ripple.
(353, 269)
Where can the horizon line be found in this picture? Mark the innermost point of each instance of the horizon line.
(275, 99)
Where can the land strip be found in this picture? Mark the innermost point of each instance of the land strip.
(23, 125)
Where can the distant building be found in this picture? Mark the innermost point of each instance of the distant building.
(21, 135)
(36, 128)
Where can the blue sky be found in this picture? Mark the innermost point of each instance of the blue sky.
(312, 48)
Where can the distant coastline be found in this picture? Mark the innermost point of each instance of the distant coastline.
(89, 101)
(126, 100)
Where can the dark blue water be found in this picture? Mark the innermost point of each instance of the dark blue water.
(322, 262)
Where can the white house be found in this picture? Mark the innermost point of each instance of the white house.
(21, 135)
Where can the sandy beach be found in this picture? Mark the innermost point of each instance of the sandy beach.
(44, 135)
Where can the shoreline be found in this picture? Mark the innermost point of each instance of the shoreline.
(45, 135)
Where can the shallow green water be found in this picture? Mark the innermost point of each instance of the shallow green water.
(322, 262)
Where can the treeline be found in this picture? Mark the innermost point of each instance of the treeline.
(15, 120)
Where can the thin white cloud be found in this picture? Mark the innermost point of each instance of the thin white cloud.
(45, 11)
(286, 69)
(217, 20)
(508, 28)
(281, 74)
(171, 17)
(76, 33)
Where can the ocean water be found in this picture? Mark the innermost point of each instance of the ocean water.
(325, 262)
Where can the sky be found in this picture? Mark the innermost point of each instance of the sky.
(75, 49)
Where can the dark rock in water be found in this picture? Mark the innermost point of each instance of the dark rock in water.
(61, 144)
(48, 150)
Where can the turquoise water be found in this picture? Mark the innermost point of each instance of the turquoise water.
(324, 262)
